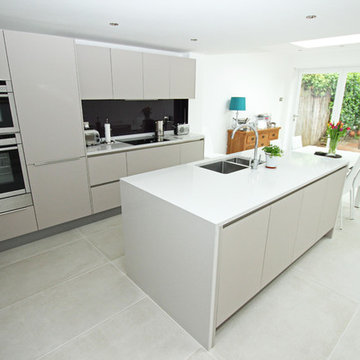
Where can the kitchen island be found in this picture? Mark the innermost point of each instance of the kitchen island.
(202, 243)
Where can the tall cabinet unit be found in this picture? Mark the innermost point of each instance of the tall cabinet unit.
(4, 66)
(43, 70)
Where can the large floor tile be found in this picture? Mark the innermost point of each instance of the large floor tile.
(99, 226)
(109, 242)
(291, 319)
(119, 263)
(349, 345)
(41, 323)
(202, 354)
(142, 332)
(36, 247)
(27, 277)
(335, 262)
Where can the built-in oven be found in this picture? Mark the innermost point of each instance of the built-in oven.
(8, 117)
(14, 184)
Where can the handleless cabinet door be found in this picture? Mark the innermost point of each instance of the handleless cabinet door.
(139, 161)
(334, 188)
(156, 76)
(127, 74)
(191, 151)
(94, 69)
(241, 256)
(43, 71)
(4, 66)
(309, 218)
(60, 192)
(283, 224)
(182, 78)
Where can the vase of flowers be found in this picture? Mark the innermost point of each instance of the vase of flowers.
(335, 133)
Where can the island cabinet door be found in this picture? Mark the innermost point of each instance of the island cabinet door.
(309, 218)
(334, 187)
(241, 255)
(283, 224)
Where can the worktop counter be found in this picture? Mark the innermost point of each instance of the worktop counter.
(120, 146)
(221, 198)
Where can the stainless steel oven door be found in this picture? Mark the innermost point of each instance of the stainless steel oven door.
(8, 117)
(13, 179)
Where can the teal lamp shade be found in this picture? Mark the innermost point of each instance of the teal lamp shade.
(238, 104)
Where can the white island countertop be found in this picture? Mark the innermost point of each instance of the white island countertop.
(221, 198)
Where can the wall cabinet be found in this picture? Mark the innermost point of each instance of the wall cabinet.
(156, 76)
(60, 192)
(182, 78)
(106, 73)
(241, 254)
(17, 222)
(4, 66)
(43, 70)
(94, 71)
(139, 161)
(127, 72)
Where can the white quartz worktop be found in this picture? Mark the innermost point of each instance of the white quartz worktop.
(221, 198)
(120, 146)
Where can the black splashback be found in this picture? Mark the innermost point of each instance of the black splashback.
(133, 116)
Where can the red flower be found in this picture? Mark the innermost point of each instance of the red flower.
(341, 129)
(348, 128)
(335, 127)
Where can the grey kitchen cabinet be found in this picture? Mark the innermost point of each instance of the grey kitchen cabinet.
(156, 72)
(333, 193)
(17, 222)
(94, 69)
(43, 70)
(105, 172)
(312, 206)
(241, 255)
(139, 161)
(282, 230)
(106, 196)
(107, 168)
(127, 74)
(182, 78)
(191, 151)
(4, 66)
(60, 191)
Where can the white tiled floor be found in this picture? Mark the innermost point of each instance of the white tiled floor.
(68, 297)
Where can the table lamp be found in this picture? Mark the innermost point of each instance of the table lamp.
(237, 104)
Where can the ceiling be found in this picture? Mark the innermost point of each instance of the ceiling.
(226, 26)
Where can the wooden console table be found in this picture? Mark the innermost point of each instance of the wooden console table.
(245, 140)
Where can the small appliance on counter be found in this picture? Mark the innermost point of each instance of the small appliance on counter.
(107, 129)
(182, 129)
(159, 130)
(92, 137)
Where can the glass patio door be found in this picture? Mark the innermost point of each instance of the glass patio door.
(323, 96)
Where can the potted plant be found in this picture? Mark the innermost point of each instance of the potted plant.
(335, 133)
(272, 153)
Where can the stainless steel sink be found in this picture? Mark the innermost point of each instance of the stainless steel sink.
(224, 167)
(243, 161)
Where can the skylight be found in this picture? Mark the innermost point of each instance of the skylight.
(331, 41)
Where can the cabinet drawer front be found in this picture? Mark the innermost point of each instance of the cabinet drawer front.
(250, 139)
(263, 138)
(191, 151)
(273, 134)
(106, 196)
(60, 192)
(140, 161)
(241, 255)
(18, 222)
(107, 168)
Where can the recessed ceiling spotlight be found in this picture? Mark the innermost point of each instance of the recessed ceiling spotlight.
(193, 39)
(114, 24)
(310, 17)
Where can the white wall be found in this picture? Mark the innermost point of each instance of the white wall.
(260, 77)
